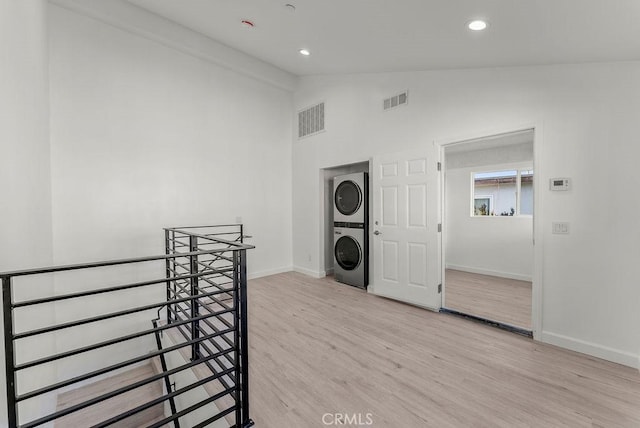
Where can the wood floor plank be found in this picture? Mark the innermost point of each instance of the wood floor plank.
(498, 299)
(317, 346)
(116, 405)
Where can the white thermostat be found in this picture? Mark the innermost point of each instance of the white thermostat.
(559, 184)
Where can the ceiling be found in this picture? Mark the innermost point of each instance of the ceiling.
(353, 36)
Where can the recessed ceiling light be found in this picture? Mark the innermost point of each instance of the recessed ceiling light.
(247, 24)
(304, 52)
(477, 25)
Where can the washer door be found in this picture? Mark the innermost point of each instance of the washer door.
(348, 197)
(348, 253)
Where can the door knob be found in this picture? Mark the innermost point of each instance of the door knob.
(377, 232)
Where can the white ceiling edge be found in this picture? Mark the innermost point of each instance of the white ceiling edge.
(136, 20)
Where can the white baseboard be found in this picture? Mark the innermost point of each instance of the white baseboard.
(309, 272)
(268, 272)
(481, 271)
(593, 349)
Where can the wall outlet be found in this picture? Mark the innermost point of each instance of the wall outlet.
(308, 257)
(239, 220)
(560, 228)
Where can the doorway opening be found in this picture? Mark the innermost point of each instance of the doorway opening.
(488, 253)
(327, 232)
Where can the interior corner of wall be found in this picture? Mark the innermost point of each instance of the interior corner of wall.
(309, 272)
(590, 348)
(269, 272)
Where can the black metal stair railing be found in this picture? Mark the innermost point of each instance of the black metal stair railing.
(179, 242)
(163, 366)
(204, 297)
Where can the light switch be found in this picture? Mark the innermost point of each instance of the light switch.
(560, 228)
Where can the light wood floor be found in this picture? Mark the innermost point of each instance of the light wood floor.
(497, 299)
(319, 347)
(114, 406)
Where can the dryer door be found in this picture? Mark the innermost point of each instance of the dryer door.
(348, 197)
(348, 253)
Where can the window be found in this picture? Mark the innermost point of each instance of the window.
(505, 193)
(482, 204)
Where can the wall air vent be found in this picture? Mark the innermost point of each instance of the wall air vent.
(311, 120)
(396, 100)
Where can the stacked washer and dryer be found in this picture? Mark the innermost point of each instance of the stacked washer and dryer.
(350, 228)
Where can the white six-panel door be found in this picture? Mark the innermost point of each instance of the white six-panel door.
(406, 241)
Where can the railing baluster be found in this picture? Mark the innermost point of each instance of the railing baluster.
(167, 380)
(167, 268)
(173, 267)
(195, 326)
(236, 337)
(244, 342)
(9, 352)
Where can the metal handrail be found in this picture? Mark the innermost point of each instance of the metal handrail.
(192, 309)
(63, 268)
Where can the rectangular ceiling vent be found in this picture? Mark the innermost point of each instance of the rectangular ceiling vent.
(396, 100)
(311, 120)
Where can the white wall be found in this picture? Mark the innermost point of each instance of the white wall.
(461, 155)
(24, 124)
(500, 246)
(587, 118)
(25, 218)
(144, 136)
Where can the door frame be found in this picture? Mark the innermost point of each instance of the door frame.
(537, 273)
(323, 220)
